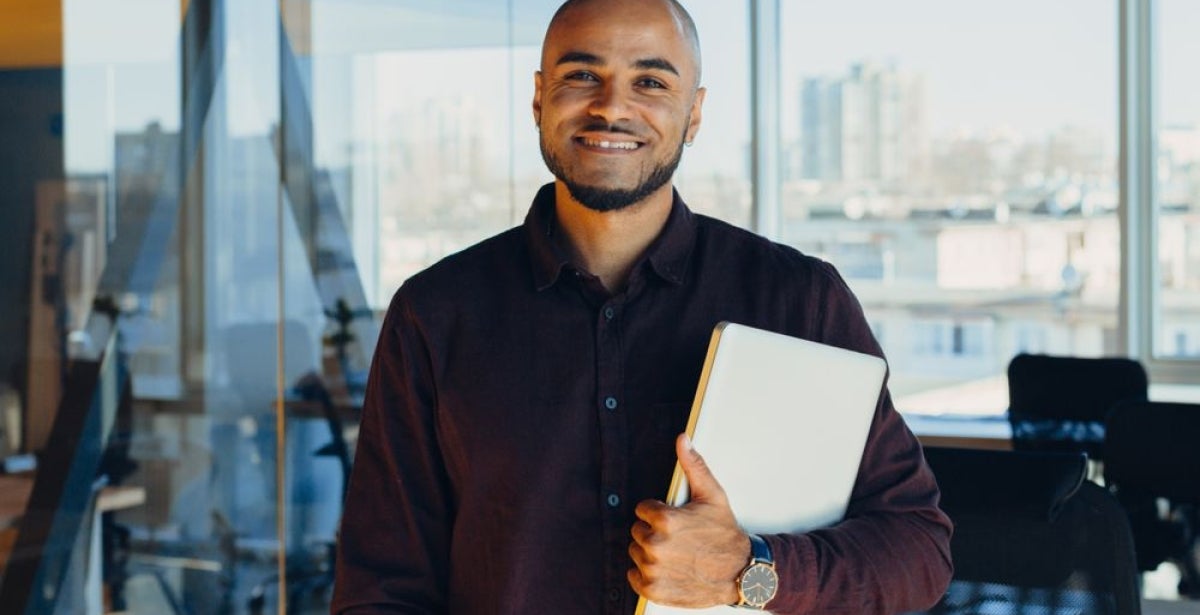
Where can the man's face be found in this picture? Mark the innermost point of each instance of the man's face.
(616, 100)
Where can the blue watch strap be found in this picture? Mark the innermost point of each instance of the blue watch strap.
(760, 550)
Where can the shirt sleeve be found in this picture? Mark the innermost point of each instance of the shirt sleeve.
(891, 553)
(393, 546)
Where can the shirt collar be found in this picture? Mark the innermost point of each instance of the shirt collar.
(668, 256)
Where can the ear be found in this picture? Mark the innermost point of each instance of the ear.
(695, 114)
(537, 98)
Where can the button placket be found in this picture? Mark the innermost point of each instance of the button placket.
(610, 402)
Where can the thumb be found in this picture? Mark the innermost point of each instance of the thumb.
(702, 485)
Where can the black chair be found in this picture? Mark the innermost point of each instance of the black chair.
(1059, 403)
(1031, 535)
(307, 577)
(1152, 452)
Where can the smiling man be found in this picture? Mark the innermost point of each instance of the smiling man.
(527, 396)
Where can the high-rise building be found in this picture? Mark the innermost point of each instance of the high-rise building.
(866, 126)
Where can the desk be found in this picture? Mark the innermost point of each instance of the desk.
(975, 412)
(985, 432)
(347, 409)
(15, 490)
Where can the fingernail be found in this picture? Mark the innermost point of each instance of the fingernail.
(687, 443)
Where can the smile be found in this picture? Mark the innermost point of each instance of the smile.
(617, 145)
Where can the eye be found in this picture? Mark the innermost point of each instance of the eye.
(581, 75)
(650, 83)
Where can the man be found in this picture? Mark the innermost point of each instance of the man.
(526, 396)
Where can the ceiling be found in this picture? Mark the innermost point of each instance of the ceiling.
(30, 34)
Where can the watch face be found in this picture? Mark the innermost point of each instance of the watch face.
(758, 584)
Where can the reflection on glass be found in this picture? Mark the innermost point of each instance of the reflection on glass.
(170, 123)
(965, 185)
(1177, 308)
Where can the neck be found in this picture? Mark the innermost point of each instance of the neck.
(608, 244)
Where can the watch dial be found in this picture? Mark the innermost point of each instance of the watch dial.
(759, 583)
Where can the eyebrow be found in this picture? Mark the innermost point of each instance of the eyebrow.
(582, 57)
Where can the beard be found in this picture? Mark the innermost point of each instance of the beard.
(602, 199)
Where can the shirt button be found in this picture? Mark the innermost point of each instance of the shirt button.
(614, 500)
(609, 313)
(614, 594)
(610, 403)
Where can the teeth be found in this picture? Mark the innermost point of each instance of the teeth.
(629, 145)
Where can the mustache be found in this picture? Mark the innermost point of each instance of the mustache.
(606, 127)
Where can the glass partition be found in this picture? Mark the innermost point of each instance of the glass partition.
(210, 203)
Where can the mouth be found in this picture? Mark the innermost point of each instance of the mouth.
(609, 144)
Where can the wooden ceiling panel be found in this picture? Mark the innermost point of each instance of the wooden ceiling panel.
(30, 34)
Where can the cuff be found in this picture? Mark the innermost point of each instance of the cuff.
(796, 563)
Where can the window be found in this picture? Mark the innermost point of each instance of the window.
(1177, 177)
(943, 168)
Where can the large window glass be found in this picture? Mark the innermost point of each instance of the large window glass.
(422, 118)
(957, 162)
(714, 177)
(1177, 309)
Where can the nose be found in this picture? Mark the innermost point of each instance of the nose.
(611, 103)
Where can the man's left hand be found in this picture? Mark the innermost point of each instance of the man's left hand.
(688, 556)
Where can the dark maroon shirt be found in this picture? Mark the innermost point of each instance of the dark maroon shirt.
(517, 412)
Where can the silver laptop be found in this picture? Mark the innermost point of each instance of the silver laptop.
(782, 423)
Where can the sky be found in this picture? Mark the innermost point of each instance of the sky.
(1025, 64)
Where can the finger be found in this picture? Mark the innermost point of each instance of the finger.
(703, 485)
(640, 556)
(636, 581)
(650, 511)
(642, 532)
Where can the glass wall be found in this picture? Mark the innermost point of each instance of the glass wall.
(209, 204)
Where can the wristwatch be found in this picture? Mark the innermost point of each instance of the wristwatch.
(758, 581)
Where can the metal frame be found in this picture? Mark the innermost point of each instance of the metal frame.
(764, 117)
(1136, 164)
(1140, 290)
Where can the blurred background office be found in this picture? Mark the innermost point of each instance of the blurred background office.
(206, 205)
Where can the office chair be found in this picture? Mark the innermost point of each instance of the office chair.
(1059, 403)
(305, 576)
(1152, 452)
(1032, 536)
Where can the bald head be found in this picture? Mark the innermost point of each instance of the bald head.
(579, 9)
